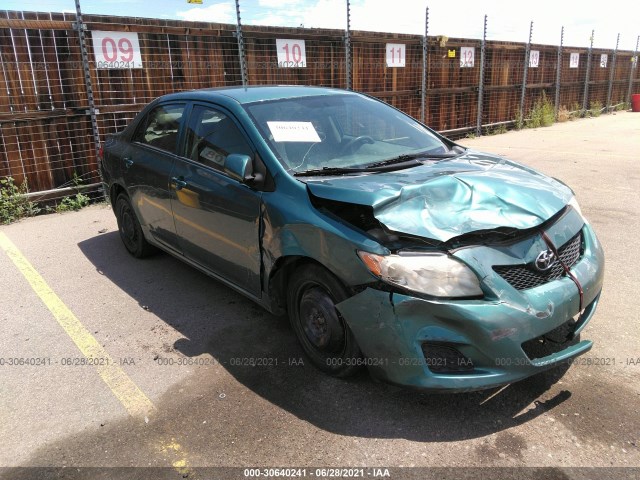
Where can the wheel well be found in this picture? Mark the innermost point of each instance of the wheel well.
(279, 278)
(116, 189)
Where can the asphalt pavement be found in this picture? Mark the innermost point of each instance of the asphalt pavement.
(194, 375)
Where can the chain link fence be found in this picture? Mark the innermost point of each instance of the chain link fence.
(457, 86)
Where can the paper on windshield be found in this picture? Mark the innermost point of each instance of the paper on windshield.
(293, 132)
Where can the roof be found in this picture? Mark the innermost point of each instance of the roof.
(256, 93)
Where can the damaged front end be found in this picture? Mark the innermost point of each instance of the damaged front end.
(464, 299)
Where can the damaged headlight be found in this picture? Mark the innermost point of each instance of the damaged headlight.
(436, 274)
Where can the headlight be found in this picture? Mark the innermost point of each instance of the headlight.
(573, 203)
(435, 274)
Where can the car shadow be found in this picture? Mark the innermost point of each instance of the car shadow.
(261, 352)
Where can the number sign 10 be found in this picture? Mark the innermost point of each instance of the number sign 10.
(396, 55)
(116, 50)
(291, 53)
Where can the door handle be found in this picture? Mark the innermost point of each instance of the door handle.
(127, 162)
(178, 182)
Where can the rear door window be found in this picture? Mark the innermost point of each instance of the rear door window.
(160, 127)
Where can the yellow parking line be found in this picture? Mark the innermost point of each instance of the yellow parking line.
(131, 397)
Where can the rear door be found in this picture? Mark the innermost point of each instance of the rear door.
(216, 217)
(147, 165)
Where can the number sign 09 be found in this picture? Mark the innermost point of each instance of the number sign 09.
(116, 50)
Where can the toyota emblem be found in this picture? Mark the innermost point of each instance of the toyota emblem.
(545, 260)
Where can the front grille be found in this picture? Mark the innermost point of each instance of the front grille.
(522, 277)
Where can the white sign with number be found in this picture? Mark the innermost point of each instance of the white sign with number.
(116, 50)
(291, 53)
(396, 55)
(534, 58)
(603, 60)
(574, 60)
(467, 57)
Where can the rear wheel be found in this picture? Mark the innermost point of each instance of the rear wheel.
(130, 229)
(323, 333)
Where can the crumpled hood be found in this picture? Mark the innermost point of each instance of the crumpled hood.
(445, 199)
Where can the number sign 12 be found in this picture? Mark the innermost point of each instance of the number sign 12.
(116, 50)
(396, 55)
(467, 57)
(291, 53)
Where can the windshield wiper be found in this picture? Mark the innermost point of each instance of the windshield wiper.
(412, 156)
(408, 161)
(328, 171)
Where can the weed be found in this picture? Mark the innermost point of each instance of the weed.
(470, 135)
(542, 114)
(576, 111)
(564, 114)
(74, 203)
(14, 205)
(596, 108)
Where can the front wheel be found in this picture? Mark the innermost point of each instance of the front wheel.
(323, 333)
(130, 229)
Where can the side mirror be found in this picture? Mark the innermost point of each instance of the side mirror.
(238, 166)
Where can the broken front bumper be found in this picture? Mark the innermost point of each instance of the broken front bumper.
(483, 343)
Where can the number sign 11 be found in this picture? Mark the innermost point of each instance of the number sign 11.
(291, 53)
(116, 50)
(396, 55)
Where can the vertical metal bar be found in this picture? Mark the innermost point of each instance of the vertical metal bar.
(241, 51)
(15, 54)
(585, 95)
(59, 67)
(6, 83)
(425, 59)
(556, 103)
(170, 59)
(46, 69)
(634, 65)
(481, 80)
(33, 73)
(347, 46)
(87, 81)
(612, 73)
(527, 53)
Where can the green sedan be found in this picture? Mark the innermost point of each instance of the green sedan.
(388, 246)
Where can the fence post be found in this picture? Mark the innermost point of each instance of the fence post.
(347, 46)
(527, 52)
(612, 74)
(481, 81)
(585, 95)
(634, 65)
(425, 59)
(79, 26)
(241, 52)
(558, 70)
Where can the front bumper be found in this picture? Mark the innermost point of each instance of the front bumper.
(391, 328)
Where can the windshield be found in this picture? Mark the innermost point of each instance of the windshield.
(333, 132)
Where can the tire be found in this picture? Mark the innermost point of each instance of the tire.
(324, 335)
(130, 229)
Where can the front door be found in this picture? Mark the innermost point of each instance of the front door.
(216, 217)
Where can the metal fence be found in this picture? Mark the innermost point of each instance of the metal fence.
(57, 102)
